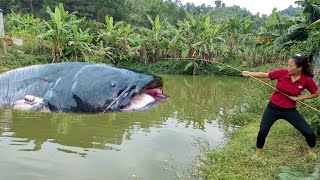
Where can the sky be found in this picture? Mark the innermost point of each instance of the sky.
(254, 6)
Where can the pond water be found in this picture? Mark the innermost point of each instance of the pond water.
(157, 144)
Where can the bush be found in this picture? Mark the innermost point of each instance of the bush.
(15, 58)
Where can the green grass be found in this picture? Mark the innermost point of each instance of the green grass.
(4, 69)
(285, 147)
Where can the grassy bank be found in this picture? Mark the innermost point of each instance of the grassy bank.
(285, 147)
(285, 152)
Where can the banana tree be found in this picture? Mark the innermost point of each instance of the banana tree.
(201, 40)
(315, 16)
(273, 28)
(154, 42)
(233, 26)
(116, 37)
(198, 33)
(308, 21)
(238, 34)
(60, 30)
(177, 47)
(191, 29)
(25, 25)
(314, 25)
(138, 46)
(81, 45)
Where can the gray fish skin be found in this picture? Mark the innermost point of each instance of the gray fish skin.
(75, 87)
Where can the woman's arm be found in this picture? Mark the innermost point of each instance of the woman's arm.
(255, 74)
(306, 96)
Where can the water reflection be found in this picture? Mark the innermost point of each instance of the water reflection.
(139, 141)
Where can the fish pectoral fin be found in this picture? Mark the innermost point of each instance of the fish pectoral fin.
(29, 98)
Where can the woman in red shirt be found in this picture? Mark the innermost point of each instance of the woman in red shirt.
(291, 81)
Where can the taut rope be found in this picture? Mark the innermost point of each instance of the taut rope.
(212, 61)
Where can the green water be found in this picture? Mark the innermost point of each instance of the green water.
(156, 144)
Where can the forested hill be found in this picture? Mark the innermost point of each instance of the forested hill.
(131, 11)
(291, 11)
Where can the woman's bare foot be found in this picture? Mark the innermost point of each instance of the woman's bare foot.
(311, 152)
(257, 154)
(258, 151)
(311, 149)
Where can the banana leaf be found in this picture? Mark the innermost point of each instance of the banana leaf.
(314, 25)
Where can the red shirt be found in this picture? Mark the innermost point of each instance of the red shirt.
(286, 86)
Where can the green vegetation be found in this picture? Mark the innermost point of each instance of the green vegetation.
(241, 40)
(284, 155)
(168, 37)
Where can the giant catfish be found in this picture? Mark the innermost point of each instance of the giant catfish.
(79, 87)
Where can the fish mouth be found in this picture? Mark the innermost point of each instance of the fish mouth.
(137, 99)
(148, 96)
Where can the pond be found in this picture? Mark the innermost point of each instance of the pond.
(156, 144)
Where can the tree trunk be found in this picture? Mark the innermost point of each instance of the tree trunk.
(316, 68)
(31, 6)
(143, 54)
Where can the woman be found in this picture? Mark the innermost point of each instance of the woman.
(291, 81)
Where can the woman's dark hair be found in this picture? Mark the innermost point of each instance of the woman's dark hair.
(302, 61)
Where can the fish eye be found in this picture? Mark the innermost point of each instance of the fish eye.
(113, 83)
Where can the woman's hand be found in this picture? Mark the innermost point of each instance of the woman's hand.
(305, 96)
(255, 74)
(246, 73)
(294, 98)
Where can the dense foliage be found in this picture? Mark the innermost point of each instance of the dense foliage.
(163, 29)
(161, 36)
(131, 11)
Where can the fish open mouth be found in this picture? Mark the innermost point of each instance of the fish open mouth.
(148, 97)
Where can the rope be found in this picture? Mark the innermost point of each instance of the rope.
(212, 61)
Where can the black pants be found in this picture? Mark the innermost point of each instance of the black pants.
(273, 113)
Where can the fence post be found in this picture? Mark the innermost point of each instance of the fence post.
(316, 68)
(2, 32)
